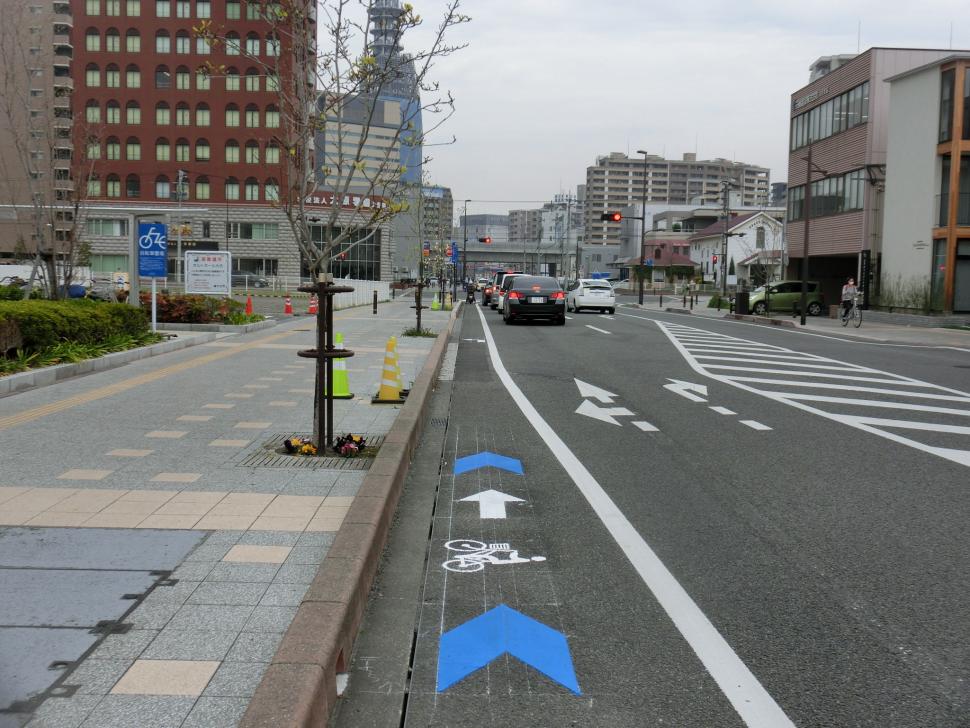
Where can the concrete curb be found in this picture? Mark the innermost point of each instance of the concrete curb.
(761, 320)
(300, 686)
(220, 328)
(54, 374)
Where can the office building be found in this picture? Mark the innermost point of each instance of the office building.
(525, 226)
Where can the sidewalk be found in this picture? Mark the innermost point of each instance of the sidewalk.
(176, 449)
(882, 333)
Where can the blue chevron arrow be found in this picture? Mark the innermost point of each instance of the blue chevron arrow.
(474, 644)
(484, 459)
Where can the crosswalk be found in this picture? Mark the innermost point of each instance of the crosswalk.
(908, 411)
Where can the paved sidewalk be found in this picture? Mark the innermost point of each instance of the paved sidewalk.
(179, 444)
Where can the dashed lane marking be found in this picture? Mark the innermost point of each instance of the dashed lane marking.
(602, 331)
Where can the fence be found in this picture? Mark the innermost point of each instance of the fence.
(363, 293)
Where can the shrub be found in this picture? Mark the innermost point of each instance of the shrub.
(44, 324)
(193, 309)
(11, 293)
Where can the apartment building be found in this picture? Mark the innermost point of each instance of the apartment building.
(616, 181)
(525, 225)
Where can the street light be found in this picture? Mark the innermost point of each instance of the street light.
(810, 167)
(643, 227)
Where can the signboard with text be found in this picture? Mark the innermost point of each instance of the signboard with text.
(152, 250)
(208, 272)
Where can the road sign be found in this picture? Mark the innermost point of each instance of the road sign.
(484, 459)
(152, 250)
(491, 503)
(474, 644)
(208, 272)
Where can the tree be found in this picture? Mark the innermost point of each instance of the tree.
(346, 109)
(40, 177)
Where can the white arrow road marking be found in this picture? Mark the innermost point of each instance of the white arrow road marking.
(602, 331)
(491, 503)
(645, 426)
(604, 414)
(755, 425)
(684, 389)
(588, 390)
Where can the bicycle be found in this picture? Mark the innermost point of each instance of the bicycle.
(854, 312)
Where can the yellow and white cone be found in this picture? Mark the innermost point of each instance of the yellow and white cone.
(448, 303)
(435, 304)
(390, 391)
(341, 380)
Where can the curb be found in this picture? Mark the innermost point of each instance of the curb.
(52, 375)
(300, 687)
(220, 328)
(761, 320)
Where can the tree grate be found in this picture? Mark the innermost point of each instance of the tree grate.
(271, 454)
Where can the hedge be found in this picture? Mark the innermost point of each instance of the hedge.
(192, 309)
(45, 323)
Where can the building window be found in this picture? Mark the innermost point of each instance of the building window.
(93, 151)
(272, 118)
(102, 227)
(232, 79)
(232, 189)
(760, 238)
(112, 76)
(272, 155)
(254, 230)
(272, 81)
(252, 79)
(183, 43)
(112, 149)
(133, 186)
(359, 257)
(203, 81)
(92, 112)
(113, 186)
(133, 8)
(232, 10)
(112, 112)
(132, 149)
(252, 152)
(163, 114)
(132, 41)
(252, 44)
(253, 12)
(94, 186)
(163, 190)
(232, 115)
(163, 151)
(112, 7)
(183, 151)
(946, 105)
(183, 79)
(252, 189)
(202, 188)
(112, 41)
(183, 115)
(202, 116)
(272, 190)
(163, 9)
(233, 47)
(796, 203)
(938, 274)
(183, 9)
(203, 9)
(132, 77)
(833, 117)
(252, 116)
(966, 102)
(272, 45)
(133, 113)
(232, 152)
(92, 76)
(93, 7)
(202, 47)
(163, 77)
(163, 42)
(202, 151)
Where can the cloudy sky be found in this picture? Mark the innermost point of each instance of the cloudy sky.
(547, 85)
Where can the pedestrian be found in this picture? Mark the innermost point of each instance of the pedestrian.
(849, 292)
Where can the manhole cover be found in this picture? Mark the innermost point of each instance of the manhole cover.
(270, 454)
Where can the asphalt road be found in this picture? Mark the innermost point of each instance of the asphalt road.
(780, 537)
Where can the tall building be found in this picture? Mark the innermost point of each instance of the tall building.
(617, 180)
(35, 126)
(484, 225)
(840, 122)
(524, 225)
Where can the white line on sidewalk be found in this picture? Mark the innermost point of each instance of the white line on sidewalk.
(748, 696)
(755, 425)
(602, 331)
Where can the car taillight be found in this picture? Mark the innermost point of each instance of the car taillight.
(488, 289)
(514, 295)
(558, 296)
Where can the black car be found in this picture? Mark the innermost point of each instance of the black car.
(535, 297)
(249, 280)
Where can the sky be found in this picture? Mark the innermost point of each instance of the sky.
(544, 86)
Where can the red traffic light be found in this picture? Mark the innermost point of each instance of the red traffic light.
(714, 259)
(487, 239)
(611, 216)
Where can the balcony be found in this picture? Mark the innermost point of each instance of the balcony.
(63, 82)
(943, 210)
(62, 14)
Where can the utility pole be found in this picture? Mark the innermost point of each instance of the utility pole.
(464, 252)
(726, 186)
(803, 299)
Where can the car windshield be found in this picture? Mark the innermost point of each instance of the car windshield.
(598, 284)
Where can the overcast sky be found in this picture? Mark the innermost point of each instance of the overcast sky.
(547, 85)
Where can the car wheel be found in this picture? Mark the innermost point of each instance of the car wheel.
(759, 309)
(561, 321)
(814, 308)
(507, 319)
(612, 311)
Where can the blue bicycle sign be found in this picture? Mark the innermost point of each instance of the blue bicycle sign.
(152, 250)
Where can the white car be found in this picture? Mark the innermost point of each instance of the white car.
(591, 293)
(506, 285)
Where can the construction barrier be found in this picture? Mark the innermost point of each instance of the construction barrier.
(390, 390)
(341, 379)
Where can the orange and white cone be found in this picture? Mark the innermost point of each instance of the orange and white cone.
(390, 391)
(249, 305)
(312, 308)
(287, 306)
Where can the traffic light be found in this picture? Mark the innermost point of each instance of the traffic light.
(487, 239)
(611, 216)
(714, 259)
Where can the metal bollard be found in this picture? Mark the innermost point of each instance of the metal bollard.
(661, 305)
(692, 303)
(375, 301)
(684, 304)
(718, 304)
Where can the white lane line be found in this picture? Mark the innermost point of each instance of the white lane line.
(723, 411)
(608, 318)
(569, 318)
(645, 426)
(748, 696)
(755, 425)
(795, 363)
(602, 331)
(809, 397)
(848, 387)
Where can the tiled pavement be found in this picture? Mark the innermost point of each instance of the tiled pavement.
(166, 454)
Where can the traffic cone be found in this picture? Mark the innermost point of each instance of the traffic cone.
(249, 305)
(341, 380)
(390, 391)
(435, 305)
(312, 308)
(448, 302)
(287, 306)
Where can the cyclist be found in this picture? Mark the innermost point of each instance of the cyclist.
(849, 292)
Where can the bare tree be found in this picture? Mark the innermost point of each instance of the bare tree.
(358, 93)
(36, 127)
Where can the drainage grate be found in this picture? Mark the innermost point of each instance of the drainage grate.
(270, 455)
(439, 421)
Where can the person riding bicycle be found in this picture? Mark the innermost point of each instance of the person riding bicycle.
(849, 292)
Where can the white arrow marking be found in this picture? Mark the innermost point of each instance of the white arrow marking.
(684, 389)
(491, 503)
(588, 390)
(604, 414)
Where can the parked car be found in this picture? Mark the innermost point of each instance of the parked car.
(506, 285)
(785, 296)
(250, 280)
(591, 293)
(535, 297)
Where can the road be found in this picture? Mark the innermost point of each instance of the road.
(735, 525)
